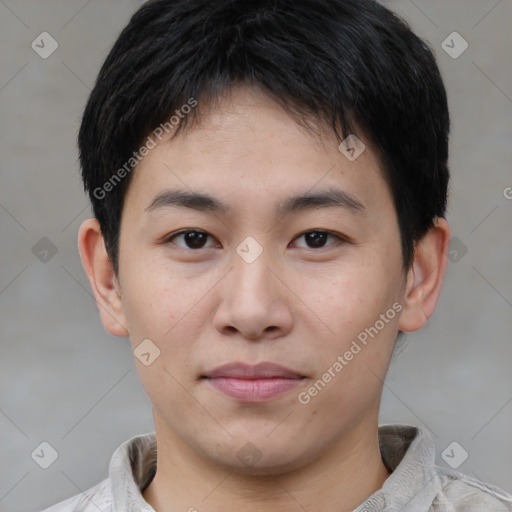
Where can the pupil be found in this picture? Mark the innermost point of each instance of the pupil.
(316, 238)
(195, 239)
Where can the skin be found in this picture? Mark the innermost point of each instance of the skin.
(295, 305)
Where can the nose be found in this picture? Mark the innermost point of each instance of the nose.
(255, 304)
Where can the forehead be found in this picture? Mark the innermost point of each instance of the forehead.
(248, 151)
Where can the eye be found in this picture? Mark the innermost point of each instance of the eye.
(316, 239)
(195, 239)
(191, 239)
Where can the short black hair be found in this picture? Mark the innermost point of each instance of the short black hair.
(348, 64)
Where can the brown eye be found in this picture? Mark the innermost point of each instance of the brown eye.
(191, 239)
(316, 239)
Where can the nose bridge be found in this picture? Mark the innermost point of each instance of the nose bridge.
(251, 302)
(251, 274)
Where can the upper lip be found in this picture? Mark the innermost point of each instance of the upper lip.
(259, 371)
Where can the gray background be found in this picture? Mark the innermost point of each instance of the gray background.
(65, 381)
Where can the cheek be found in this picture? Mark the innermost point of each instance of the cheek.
(351, 305)
(173, 316)
(347, 299)
(148, 312)
(155, 298)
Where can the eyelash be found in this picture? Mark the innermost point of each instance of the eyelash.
(340, 238)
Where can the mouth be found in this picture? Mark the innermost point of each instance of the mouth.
(253, 383)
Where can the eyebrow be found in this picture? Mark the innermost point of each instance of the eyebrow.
(332, 197)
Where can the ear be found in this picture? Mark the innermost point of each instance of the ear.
(425, 277)
(99, 270)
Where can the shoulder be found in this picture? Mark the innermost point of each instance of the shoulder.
(460, 492)
(96, 499)
(131, 468)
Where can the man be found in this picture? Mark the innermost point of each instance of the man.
(269, 183)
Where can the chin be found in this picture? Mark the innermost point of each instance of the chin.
(258, 456)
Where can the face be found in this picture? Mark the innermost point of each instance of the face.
(293, 259)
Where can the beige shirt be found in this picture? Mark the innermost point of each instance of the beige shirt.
(416, 484)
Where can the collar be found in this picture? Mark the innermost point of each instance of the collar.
(407, 451)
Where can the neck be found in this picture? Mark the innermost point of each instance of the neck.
(339, 480)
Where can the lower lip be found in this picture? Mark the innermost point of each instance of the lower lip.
(254, 390)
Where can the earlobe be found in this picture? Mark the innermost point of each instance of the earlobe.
(425, 277)
(99, 270)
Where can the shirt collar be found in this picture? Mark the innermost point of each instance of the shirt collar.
(407, 451)
(131, 469)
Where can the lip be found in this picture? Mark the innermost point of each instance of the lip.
(247, 371)
(253, 383)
